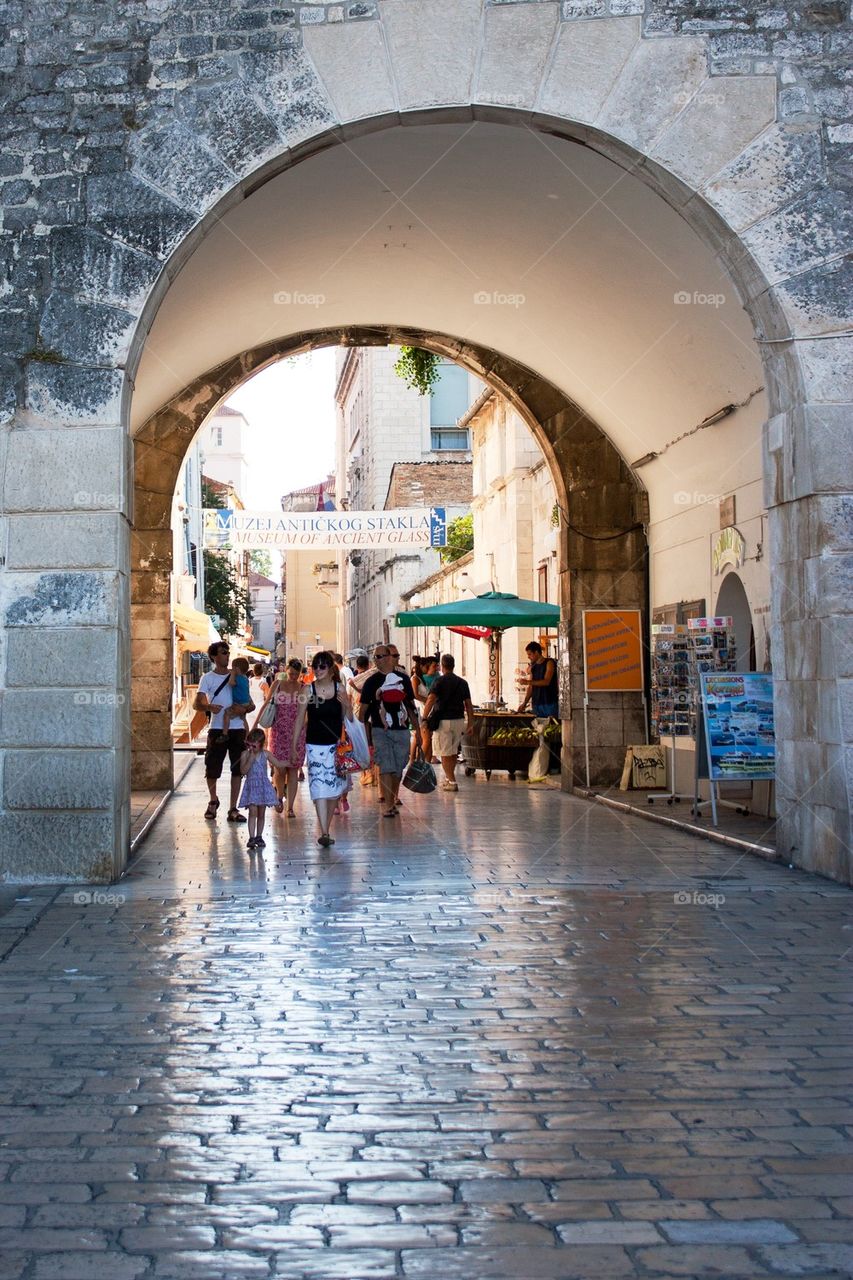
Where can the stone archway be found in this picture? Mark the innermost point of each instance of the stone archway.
(603, 556)
(726, 127)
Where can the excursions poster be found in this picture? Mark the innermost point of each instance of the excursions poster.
(739, 728)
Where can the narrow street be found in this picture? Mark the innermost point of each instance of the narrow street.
(510, 1034)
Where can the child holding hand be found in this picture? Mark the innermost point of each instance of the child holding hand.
(258, 793)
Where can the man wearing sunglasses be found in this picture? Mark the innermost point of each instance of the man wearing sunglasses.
(214, 697)
(388, 706)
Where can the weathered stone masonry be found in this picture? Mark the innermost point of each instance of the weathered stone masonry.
(125, 125)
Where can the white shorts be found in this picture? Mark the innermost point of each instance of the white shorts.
(447, 738)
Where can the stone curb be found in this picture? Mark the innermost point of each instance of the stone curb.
(718, 837)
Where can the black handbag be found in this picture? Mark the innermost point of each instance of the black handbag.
(420, 776)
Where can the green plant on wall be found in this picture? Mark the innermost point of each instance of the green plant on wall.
(418, 369)
(460, 539)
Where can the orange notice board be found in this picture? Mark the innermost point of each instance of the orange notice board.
(613, 651)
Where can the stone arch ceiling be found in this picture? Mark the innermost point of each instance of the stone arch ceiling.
(534, 246)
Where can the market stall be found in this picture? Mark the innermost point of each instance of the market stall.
(501, 740)
(494, 612)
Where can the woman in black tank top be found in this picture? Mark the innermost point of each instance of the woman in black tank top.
(325, 718)
(323, 707)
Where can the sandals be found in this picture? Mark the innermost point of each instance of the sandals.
(210, 811)
(234, 815)
(325, 841)
(390, 813)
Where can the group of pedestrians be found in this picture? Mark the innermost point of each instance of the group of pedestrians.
(306, 727)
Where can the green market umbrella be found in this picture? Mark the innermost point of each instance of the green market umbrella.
(496, 609)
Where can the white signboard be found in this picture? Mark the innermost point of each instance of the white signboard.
(316, 530)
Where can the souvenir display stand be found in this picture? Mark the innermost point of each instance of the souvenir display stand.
(680, 654)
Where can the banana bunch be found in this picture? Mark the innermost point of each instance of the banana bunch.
(513, 737)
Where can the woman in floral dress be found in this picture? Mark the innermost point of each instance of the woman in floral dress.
(285, 693)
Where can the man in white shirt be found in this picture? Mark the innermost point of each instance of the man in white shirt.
(214, 696)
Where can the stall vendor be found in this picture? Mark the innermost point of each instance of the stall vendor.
(542, 685)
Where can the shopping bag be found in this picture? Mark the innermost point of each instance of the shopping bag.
(357, 735)
(540, 761)
(420, 776)
(345, 760)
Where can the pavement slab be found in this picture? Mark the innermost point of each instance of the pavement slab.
(517, 1036)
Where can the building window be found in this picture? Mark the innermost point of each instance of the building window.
(542, 583)
(448, 403)
(216, 437)
(356, 418)
(678, 614)
(444, 438)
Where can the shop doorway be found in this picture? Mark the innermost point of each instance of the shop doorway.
(732, 602)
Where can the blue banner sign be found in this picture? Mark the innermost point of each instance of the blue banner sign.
(437, 527)
(415, 527)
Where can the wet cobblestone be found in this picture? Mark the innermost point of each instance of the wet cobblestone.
(512, 1037)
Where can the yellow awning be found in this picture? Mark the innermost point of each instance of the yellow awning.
(195, 631)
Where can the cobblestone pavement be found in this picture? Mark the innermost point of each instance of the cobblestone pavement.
(511, 1034)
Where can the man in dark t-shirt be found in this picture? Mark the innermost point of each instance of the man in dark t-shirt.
(388, 706)
(449, 698)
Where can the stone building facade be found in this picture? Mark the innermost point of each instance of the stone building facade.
(515, 548)
(383, 425)
(138, 140)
